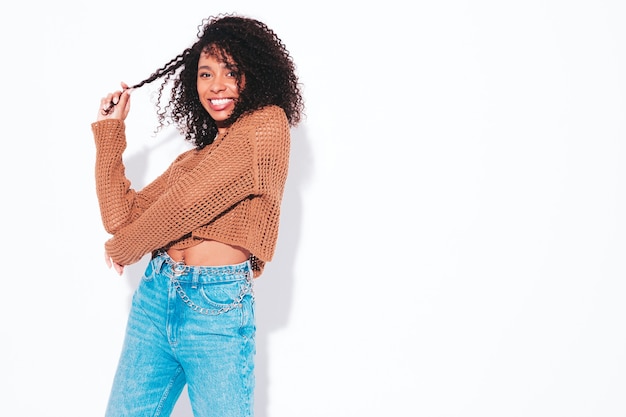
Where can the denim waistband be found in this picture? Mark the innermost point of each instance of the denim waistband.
(163, 263)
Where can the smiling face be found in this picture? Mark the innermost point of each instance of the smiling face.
(217, 88)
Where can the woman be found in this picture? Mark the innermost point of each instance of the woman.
(210, 220)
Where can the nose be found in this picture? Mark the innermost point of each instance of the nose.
(218, 85)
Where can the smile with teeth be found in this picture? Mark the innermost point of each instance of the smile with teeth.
(220, 101)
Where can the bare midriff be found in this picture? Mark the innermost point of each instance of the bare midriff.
(210, 253)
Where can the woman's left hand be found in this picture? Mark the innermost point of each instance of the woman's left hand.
(111, 263)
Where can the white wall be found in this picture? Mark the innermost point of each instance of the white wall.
(453, 234)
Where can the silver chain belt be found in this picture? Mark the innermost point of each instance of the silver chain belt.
(178, 271)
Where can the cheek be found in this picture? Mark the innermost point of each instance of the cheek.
(199, 94)
(234, 88)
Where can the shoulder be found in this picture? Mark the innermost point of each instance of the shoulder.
(272, 114)
(267, 126)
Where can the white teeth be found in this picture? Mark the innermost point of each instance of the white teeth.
(219, 101)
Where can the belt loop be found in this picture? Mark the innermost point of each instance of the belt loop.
(250, 272)
(157, 262)
(194, 278)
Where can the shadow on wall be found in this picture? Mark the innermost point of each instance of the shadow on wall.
(275, 294)
(274, 297)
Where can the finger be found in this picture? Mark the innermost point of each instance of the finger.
(107, 259)
(111, 103)
(108, 103)
(122, 99)
(119, 268)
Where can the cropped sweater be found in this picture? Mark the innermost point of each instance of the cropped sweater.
(229, 191)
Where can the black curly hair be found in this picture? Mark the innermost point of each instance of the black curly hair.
(254, 50)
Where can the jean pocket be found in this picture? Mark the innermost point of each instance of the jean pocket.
(223, 294)
(213, 299)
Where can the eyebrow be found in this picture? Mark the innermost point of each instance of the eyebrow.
(221, 64)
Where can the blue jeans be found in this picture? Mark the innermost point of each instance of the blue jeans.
(189, 325)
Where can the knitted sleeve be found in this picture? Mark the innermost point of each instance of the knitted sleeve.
(119, 203)
(167, 210)
(113, 188)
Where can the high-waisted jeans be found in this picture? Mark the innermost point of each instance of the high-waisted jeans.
(189, 325)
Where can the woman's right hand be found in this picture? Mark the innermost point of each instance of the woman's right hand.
(115, 105)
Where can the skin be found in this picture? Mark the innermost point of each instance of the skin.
(218, 92)
(217, 89)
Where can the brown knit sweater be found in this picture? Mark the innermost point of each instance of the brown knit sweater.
(230, 191)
